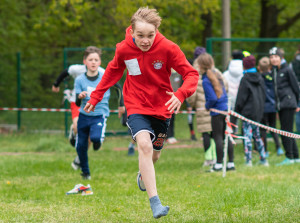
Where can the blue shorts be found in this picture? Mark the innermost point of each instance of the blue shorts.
(156, 127)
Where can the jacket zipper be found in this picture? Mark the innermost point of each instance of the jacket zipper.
(275, 80)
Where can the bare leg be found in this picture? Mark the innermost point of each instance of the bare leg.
(147, 158)
(146, 165)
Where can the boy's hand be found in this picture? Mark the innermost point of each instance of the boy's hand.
(82, 95)
(297, 109)
(121, 111)
(174, 103)
(55, 89)
(89, 107)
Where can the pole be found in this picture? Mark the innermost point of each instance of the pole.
(226, 139)
(19, 89)
(66, 86)
(226, 32)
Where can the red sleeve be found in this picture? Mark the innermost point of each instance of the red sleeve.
(113, 73)
(189, 75)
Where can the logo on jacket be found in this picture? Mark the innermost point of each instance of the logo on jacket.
(157, 64)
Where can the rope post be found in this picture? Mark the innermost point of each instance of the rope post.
(226, 139)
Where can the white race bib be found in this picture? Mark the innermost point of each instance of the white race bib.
(89, 91)
(133, 67)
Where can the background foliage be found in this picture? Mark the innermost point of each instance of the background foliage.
(41, 29)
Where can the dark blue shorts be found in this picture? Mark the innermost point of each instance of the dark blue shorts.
(156, 127)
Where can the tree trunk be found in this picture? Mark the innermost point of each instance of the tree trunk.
(207, 31)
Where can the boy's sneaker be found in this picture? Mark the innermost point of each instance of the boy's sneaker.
(76, 163)
(286, 161)
(297, 160)
(130, 151)
(279, 152)
(72, 136)
(96, 146)
(88, 191)
(264, 163)
(140, 182)
(86, 176)
(81, 189)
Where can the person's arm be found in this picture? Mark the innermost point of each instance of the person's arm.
(189, 75)
(112, 75)
(242, 96)
(294, 83)
(121, 107)
(210, 95)
(119, 91)
(60, 78)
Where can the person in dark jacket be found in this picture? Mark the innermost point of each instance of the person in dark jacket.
(295, 65)
(287, 97)
(250, 103)
(269, 117)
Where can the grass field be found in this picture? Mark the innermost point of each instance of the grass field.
(36, 174)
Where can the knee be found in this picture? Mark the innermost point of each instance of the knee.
(145, 147)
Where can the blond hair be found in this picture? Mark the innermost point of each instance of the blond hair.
(264, 64)
(144, 14)
(206, 63)
(91, 49)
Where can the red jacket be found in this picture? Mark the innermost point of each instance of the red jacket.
(145, 92)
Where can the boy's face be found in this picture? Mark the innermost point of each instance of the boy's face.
(275, 60)
(144, 34)
(92, 62)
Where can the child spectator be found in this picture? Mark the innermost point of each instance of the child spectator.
(295, 65)
(286, 98)
(91, 125)
(148, 95)
(203, 118)
(250, 103)
(216, 97)
(269, 116)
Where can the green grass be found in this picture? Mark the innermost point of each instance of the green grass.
(36, 174)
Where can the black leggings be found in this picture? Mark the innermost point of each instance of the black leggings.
(269, 119)
(286, 117)
(218, 132)
(206, 140)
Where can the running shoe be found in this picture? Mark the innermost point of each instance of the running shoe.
(286, 161)
(279, 152)
(76, 163)
(79, 188)
(140, 182)
(86, 176)
(72, 136)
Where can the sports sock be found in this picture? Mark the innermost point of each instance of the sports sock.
(157, 209)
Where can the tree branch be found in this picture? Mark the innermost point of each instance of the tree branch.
(288, 23)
